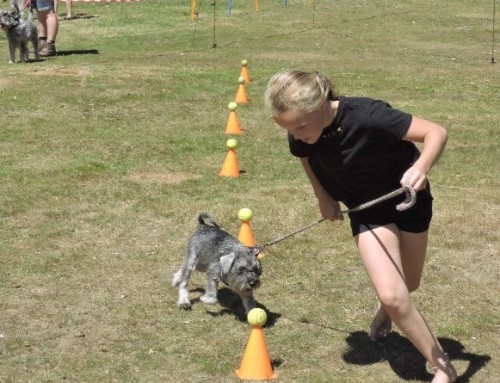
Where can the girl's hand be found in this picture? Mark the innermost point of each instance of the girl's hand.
(330, 209)
(415, 178)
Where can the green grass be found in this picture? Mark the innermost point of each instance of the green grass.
(109, 150)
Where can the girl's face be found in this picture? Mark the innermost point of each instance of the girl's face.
(306, 127)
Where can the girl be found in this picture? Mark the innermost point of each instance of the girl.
(354, 150)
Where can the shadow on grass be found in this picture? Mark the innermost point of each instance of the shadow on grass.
(66, 53)
(232, 305)
(78, 52)
(77, 16)
(404, 358)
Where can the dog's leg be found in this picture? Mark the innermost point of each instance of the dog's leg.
(12, 51)
(176, 279)
(248, 303)
(181, 279)
(34, 42)
(210, 296)
(23, 52)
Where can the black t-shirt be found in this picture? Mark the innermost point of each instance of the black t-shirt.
(361, 155)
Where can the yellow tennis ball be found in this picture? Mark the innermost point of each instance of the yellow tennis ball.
(245, 214)
(241, 80)
(232, 143)
(244, 62)
(232, 105)
(257, 317)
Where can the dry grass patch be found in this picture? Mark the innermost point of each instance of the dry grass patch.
(170, 178)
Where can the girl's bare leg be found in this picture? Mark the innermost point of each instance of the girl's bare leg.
(412, 249)
(393, 279)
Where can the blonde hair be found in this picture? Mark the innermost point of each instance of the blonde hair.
(298, 91)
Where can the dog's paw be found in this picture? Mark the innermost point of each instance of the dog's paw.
(185, 305)
(208, 300)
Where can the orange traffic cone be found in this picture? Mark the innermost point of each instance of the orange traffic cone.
(241, 94)
(244, 71)
(256, 364)
(230, 166)
(233, 122)
(246, 236)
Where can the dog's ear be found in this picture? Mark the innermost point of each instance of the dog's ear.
(15, 16)
(15, 5)
(226, 262)
(255, 250)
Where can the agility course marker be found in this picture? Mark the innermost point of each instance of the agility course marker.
(193, 9)
(246, 235)
(106, 1)
(230, 167)
(493, 60)
(233, 122)
(241, 93)
(244, 71)
(256, 363)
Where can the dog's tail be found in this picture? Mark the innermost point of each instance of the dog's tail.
(21, 5)
(31, 10)
(31, 15)
(206, 219)
(17, 5)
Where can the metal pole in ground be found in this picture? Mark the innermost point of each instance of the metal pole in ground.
(214, 44)
(493, 61)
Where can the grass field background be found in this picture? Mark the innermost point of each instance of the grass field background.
(109, 150)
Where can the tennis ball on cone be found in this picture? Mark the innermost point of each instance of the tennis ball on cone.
(245, 214)
(244, 62)
(257, 317)
(241, 80)
(232, 106)
(231, 143)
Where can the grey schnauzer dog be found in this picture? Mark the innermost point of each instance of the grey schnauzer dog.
(223, 258)
(19, 32)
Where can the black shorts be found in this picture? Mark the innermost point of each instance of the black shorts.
(416, 219)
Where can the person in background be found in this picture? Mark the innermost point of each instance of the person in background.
(353, 150)
(69, 8)
(48, 26)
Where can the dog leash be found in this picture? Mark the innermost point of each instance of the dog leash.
(26, 4)
(411, 198)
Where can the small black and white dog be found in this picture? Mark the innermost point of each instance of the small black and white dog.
(19, 32)
(223, 258)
